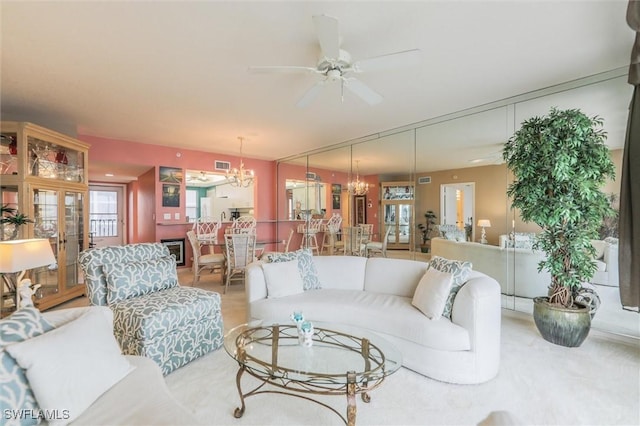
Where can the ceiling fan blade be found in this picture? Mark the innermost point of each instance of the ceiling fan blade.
(282, 69)
(311, 94)
(365, 92)
(328, 36)
(405, 58)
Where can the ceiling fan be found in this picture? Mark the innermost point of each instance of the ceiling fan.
(202, 178)
(335, 64)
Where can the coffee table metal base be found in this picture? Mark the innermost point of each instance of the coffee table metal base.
(350, 391)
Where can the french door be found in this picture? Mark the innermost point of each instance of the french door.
(107, 221)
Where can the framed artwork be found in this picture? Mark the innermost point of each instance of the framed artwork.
(170, 195)
(336, 201)
(170, 174)
(336, 188)
(360, 209)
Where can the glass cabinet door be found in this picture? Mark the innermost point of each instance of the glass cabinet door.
(73, 236)
(404, 223)
(47, 225)
(8, 154)
(51, 161)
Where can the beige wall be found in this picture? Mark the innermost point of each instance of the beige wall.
(490, 193)
(491, 198)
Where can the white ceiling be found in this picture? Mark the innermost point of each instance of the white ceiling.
(175, 73)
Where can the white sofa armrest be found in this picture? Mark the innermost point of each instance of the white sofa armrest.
(477, 309)
(255, 284)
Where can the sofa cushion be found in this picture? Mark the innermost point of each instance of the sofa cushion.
(92, 261)
(393, 276)
(15, 391)
(71, 366)
(383, 313)
(432, 293)
(305, 265)
(282, 278)
(127, 280)
(343, 272)
(153, 315)
(460, 272)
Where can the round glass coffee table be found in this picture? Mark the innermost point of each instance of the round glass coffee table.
(342, 360)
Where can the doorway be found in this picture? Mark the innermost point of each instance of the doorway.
(457, 206)
(107, 221)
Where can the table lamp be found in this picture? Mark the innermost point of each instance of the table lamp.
(22, 255)
(484, 223)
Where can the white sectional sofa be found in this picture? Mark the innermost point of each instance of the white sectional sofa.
(516, 268)
(376, 294)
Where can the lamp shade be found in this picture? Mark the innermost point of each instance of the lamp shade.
(20, 255)
(485, 223)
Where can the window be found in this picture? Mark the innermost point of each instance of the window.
(191, 211)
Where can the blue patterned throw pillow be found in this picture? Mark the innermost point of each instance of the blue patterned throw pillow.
(460, 272)
(306, 267)
(128, 280)
(15, 392)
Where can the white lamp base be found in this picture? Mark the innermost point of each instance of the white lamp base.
(483, 238)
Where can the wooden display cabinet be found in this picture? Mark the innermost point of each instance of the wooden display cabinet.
(397, 209)
(44, 175)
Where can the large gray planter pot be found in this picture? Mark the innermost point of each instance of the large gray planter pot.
(562, 326)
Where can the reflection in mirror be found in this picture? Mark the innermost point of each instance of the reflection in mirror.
(466, 147)
(457, 207)
(209, 194)
(386, 164)
(306, 198)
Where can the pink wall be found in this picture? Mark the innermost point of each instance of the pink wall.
(146, 212)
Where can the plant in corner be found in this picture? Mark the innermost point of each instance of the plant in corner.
(560, 163)
(425, 229)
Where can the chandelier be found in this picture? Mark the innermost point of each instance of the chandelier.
(357, 187)
(240, 177)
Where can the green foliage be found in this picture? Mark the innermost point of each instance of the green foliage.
(560, 163)
(425, 228)
(11, 216)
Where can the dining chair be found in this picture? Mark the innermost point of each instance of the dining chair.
(206, 231)
(331, 229)
(211, 261)
(292, 231)
(243, 225)
(309, 231)
(367, 232)
(240, 250)
(378, 247)
(352, 241)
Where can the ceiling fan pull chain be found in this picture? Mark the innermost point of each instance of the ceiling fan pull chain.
(342, 90)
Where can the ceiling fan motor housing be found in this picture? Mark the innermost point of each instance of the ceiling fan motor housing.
(334, 68)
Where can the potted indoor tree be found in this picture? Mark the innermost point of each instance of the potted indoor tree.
(425, 229)
(560, 163)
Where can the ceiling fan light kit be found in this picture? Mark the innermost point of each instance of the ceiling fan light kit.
(336, 65)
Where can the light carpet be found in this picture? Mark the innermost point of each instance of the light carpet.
(538, 383)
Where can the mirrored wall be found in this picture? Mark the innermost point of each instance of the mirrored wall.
(452, 167)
